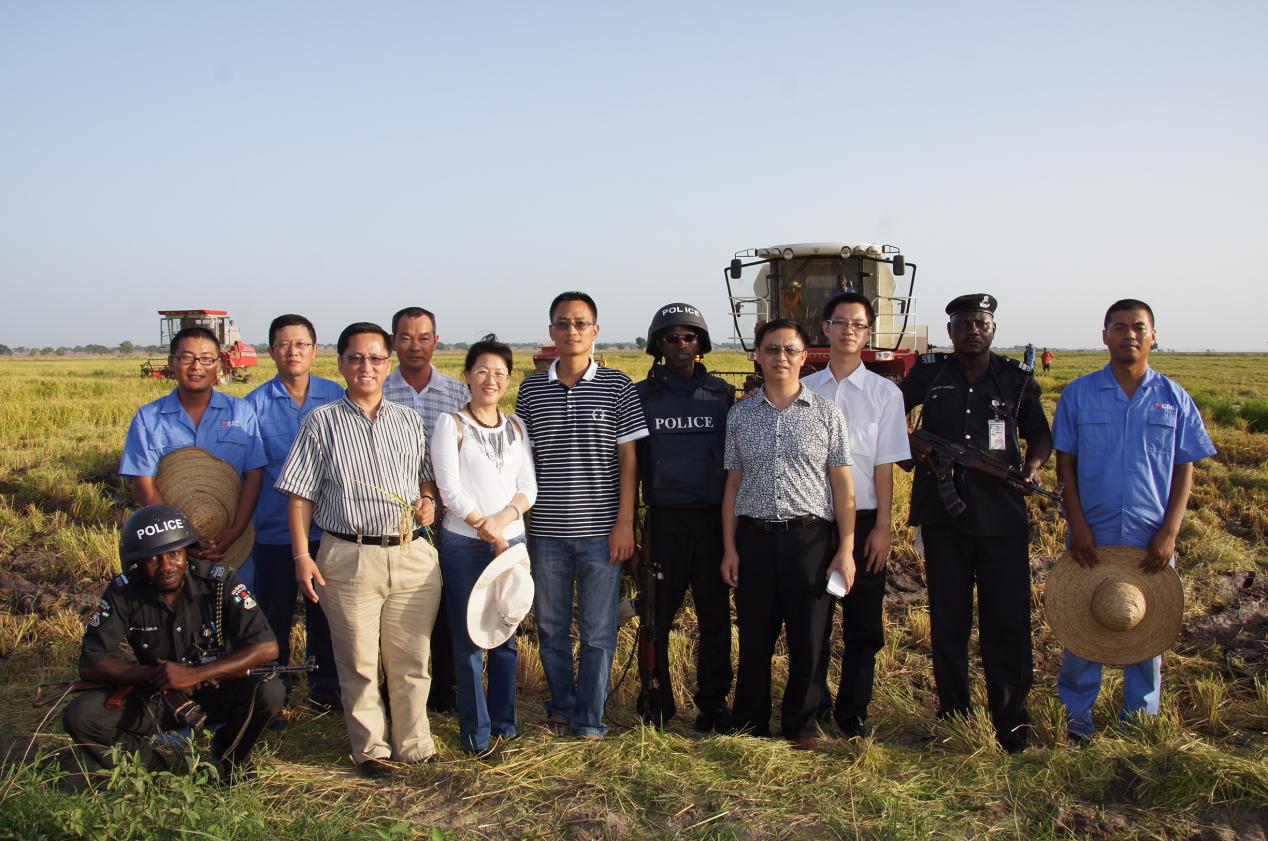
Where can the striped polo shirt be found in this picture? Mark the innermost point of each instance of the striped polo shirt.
(442, 395)
(575, 432)
(345, 464)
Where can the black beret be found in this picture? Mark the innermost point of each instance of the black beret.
(977, 302)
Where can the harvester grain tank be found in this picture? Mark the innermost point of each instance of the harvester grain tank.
(236, 356)
(796, 280)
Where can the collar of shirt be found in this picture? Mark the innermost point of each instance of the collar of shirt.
(802, 397)
(350, 405)
(1109, 381)
(397, 380)
(552, 376)
(171, 404)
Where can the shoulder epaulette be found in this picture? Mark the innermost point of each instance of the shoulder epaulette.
(217, 572)
(120, 581)
(1016, 363)
(928, 358)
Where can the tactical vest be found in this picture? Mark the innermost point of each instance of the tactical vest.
(680, 462)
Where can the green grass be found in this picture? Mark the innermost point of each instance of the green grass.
(1197, 767)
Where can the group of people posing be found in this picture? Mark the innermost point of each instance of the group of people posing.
(785, 497)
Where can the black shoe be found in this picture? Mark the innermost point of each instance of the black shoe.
(375, 769)
(1013, 745)
(1077, 740)
(719, 720)
(443, 708)
(854, 727)
(278, 724)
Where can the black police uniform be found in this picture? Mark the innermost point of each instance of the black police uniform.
(680, 467)
(988, 543)
(186, 632)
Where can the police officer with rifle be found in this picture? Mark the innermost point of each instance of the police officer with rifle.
(975, 526)
(196, 633)
(680, 467)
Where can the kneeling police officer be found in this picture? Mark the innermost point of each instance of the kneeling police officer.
(680, 466)
(195, 630)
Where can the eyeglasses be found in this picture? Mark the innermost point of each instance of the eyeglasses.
(485, 373)
(190, 359)
(680, 339)
(777, 350)
(299, 346)
(841, 323)
(356, 360)
(579, 324)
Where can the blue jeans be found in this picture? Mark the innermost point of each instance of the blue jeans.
(480, 714)
(559, 563)
(276, 588)
(1080, 682)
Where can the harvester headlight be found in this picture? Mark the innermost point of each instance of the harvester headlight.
(845, 251)
(763, 252)
(884, 355)
(788, 253)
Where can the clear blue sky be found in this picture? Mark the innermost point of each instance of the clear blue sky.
(345, 159)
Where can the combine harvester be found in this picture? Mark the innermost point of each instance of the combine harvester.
(236, 356)
(795, 281)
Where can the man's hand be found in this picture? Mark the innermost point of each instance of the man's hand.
(1033, 474)
(876, 549)
(731, 568)
(215, 548)
(843, 562)
(621, 543)
(424, 511)
(1158, 554)
(1082, 544)
(306, 572)
(176, 676)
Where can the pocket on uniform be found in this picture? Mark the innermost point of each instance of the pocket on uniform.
(276, 446)
(1096, 431)
(1160, 431)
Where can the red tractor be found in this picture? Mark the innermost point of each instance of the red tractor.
(236, 356)
(795, 281)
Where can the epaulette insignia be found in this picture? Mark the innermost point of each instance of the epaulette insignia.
(120, 581)
(216, 573)
(1017, 363)
(934, 357)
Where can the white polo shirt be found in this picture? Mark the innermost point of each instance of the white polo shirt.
(877, 425)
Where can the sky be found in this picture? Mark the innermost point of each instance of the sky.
(344, 160)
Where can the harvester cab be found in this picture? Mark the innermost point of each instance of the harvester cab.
(795, 281)
(236, 356)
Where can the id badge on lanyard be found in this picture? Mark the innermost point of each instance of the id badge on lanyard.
(995, 428)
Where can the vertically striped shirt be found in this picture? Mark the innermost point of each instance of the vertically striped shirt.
(346, 464)
(575, 432)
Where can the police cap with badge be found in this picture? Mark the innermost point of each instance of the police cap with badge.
(975, 302)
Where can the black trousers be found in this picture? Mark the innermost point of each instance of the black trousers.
(444, 680)
(783, 576)
(687, 542)
(276, 588)
(95, 728)
(1000, 568)
(863, 632)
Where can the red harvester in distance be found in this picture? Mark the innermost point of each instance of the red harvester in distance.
(236, 356)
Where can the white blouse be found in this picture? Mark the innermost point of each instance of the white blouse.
(485, 473)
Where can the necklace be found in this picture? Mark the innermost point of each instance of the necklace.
(496, 414)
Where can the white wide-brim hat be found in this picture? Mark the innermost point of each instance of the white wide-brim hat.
(1114, 613)
(205, 489)
(501, 598)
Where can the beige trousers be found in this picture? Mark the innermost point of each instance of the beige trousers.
(382, 600)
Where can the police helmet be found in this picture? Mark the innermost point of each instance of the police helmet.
(153, 530)
(677, 315)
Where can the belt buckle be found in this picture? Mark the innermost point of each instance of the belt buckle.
(777, 525)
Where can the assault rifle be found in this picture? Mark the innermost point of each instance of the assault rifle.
(942, 454)
(647, 572)
(121, 693)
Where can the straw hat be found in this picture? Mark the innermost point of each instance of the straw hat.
(501, 598)
(1114, 613)
(205, 489)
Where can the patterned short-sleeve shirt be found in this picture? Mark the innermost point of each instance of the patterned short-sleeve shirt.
(783, 455)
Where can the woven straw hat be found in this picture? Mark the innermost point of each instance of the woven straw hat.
(205, 489)
(501, 598)
(1114, 613)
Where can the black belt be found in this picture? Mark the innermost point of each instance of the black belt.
(782, 525)
(865, 514)
(373, 539)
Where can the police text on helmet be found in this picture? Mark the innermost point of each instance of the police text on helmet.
(157, 528)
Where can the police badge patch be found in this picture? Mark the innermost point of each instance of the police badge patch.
(102, 612)
(242, 596)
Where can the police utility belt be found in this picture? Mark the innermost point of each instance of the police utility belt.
(781, 525)
(375, 539)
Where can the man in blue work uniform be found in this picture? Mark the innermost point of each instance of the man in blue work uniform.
(1126, 438)
(680, 467)
(280, 404)
(194, 414)
(988, 401)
